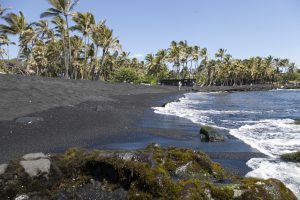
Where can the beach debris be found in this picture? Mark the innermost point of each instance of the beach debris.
(210, 134)
(3, 168)
(29, 120)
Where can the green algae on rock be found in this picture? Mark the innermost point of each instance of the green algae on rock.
(152, 173)
(210, 134)
(291, 157)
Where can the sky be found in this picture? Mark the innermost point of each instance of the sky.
(244, 28)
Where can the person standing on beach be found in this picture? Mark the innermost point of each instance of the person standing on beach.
(179, 85)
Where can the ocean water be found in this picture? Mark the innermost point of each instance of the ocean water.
(264, 120)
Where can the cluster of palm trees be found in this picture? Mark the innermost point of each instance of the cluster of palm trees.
(194, 62)
(89, 50)
(54, 48)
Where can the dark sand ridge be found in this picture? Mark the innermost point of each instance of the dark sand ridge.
(87, 114)
(24, 95)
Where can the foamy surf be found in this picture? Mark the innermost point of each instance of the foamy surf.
(264, 120)
(287, 172)
(271, 137)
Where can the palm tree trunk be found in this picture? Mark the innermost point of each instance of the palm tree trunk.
(7, 50)
(92, 74)
(85, 59)
(65, 56)
(18, 64)
(101, 64)
(69, 48)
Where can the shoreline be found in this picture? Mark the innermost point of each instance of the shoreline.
(112, 116)
(244, 88)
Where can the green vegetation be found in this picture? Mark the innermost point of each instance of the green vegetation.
(291, 157)
(90, 50)
(153, 173)
(125, 74)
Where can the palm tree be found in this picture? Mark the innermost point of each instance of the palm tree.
(59, 26)
(150, 63)
(16, 25)
(62, 8)
(39, 59)
(185, 53)
(5, 41)
(277, 64)
(43, 30)
(105, 39)
(195, 57)
(174, 57)
(77, 47)
(220, 54)
(96, 38)
(84, 22)
(204, 66)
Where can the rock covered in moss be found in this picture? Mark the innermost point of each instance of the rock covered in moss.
(291, 157)
(210, 134)
(153, 173)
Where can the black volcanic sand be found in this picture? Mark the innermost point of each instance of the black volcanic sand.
(69, 113)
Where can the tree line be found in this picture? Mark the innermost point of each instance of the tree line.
(89, 50)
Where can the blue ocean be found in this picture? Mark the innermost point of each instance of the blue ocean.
(263, 119)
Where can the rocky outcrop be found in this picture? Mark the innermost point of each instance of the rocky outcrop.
(153, 173)
(291, 157)
(210, 134)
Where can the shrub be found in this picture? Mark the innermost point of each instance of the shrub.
(125, 74)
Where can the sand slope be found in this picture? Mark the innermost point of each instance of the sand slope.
(21, 95)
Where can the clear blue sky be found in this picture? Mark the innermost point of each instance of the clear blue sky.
(244, 27)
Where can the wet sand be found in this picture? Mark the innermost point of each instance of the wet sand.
(68, 113)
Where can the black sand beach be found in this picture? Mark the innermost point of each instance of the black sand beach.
(68, 113)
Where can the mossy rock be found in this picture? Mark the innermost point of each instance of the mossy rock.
(210, 134)
(291, 157)
(153, 173)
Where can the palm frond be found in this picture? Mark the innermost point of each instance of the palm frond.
(55, 4)
(50, 12)
(73, 5)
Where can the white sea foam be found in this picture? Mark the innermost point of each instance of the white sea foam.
(271, 137)
(288, 173)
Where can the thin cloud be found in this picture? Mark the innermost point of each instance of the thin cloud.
(138, 55)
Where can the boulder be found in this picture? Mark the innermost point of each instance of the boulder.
(297, 121)
(291, 157)
(210, 134)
